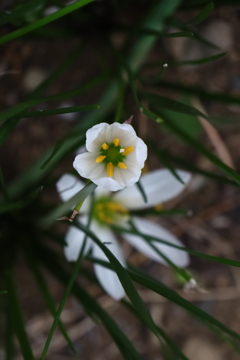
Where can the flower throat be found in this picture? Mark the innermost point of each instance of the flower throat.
(113, 155)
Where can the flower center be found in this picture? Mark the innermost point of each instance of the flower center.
(113, 155)
(106, 211)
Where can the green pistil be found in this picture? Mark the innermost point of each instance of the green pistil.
(112, 154)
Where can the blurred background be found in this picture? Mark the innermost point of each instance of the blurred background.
(212, 225)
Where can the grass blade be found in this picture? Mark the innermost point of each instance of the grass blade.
(71, 58)
(59, 111)
(200, 148)
(142, 192)
(123, 277)
(149, 238)
(64, 208)
(172, 346)
(137, 275)
(204, 13)
(40, 281)
(10, 206)
(172, 105)
(162, 153)
(186, 62)
(17, 317)
(198, 61)
(9, 336)
(46, 20)
(201, 93)
(63, 301)
(49, 260)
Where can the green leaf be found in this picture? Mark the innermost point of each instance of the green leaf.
(186, 164)
(10, 206)
(70, 59)
(168, 35)
(123, 277)
(172, 63)
(183, 273)
(171, 345)
(64, 299)
(149, 282)
(17, 318)
(48, 258)
(40, 281)
(64, 208)
(189, 123)
(172, 105)
(179, 34)
(3, 186)
(63, 110)
(151, 238)
(155, 21)
(161, 212)
(204, 13)
(9, 336)
(20, 11)
(46, 20)
(142, 192)
(156, 286)
(197, 61)
(200, 148)
(33, 176)
(201, 93)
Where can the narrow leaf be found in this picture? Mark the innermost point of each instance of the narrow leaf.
(192, 252)
(40, 281)
(198, 61)
(46, 20)
(172, 105)
(201, 93)
(49, 260)
(64, 110)
(64, 208)
(200, 148)
(123, 277)
(18, 319)
(64, 299)
(204, 13)
(142, 192)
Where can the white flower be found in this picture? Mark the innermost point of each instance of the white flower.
(159, 186)
(115, 156)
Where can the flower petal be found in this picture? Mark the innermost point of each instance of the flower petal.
(178, 257)
(69, 185)
(140, 152)
(95, 137)
(108, 278)
(74, 241)
(120, 179)
(124, 132)
(159, 186)
(87, 167)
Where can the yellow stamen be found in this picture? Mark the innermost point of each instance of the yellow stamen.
(110, 169)
(122, 165)
(159, 207)
(128, 150)
(105, 218)
(116, 142)
(100, 158)
(116, 207)
(105, 146)
(100, 206)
